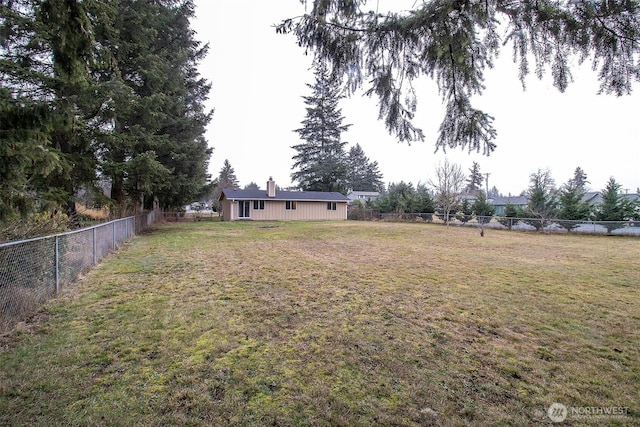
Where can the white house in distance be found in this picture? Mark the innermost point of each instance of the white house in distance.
(273, 205)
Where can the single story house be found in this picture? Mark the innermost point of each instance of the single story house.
(275, 205)
(363, 196)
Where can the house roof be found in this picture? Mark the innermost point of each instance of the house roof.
(514, 200)
(306, 196)
(595, 197)
(363, 194)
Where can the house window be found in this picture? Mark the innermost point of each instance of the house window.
(290, 205)
(243, 209)
(258, 205)
(331, 206)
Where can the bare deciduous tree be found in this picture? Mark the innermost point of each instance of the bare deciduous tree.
(447, 186)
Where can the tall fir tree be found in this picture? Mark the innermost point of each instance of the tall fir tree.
(362, 174)
(70, 38)
(320, 162)
(155, 102)
(45, 49)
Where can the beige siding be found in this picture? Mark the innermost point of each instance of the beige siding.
(274, 210)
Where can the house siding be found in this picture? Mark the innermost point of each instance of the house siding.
(274, 210)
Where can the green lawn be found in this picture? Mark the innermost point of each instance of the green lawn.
(334, 323)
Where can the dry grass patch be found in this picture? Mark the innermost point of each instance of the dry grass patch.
(335, 324)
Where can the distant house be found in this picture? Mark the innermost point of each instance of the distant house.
(275, 205)
(592, 198)
(501, 202)
(363, 196)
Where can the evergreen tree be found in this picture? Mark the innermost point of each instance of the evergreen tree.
(46, 155)
(482, 209)
(465, 211)
(423, 202)
(227, 177)
(542, 199)
(69, 35)
(572, 208)
(320, 162)
(226, 180)
(579, 180)
(100, 90)
(493, 192)
(455, 42)
(511, 213)
(155, 100)
(475, 179)
(362, 174)
(398, 198)
(615, 208)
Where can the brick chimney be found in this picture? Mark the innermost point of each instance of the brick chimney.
(271, 188)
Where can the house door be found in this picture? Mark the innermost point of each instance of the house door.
(243, 209)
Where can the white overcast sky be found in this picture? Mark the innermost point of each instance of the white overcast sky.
(258, 79)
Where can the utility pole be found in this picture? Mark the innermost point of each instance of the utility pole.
(486, 180)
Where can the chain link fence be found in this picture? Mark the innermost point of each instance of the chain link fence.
(547, 225)
(33, 270)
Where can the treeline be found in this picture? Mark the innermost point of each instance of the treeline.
(569, 204)
(100, 94)
(460, 197)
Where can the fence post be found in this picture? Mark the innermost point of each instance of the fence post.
(95, 247)
(57, 262)
(113, 234)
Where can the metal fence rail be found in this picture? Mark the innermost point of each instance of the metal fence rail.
(33, 270)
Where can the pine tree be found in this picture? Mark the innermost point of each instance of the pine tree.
(511, 212)
(615, 208)
(399, 198)
(227, 177)
(542, 199)
(69, 35)
(100, 90)
(422, 201)
(579, 180)
(45, 151)
(155, 100)
(482, 209)
(320, 162)
(572, 208)
(475, 179)
(465, 211)
(362, 174)
(226, 180)
(455, 43)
